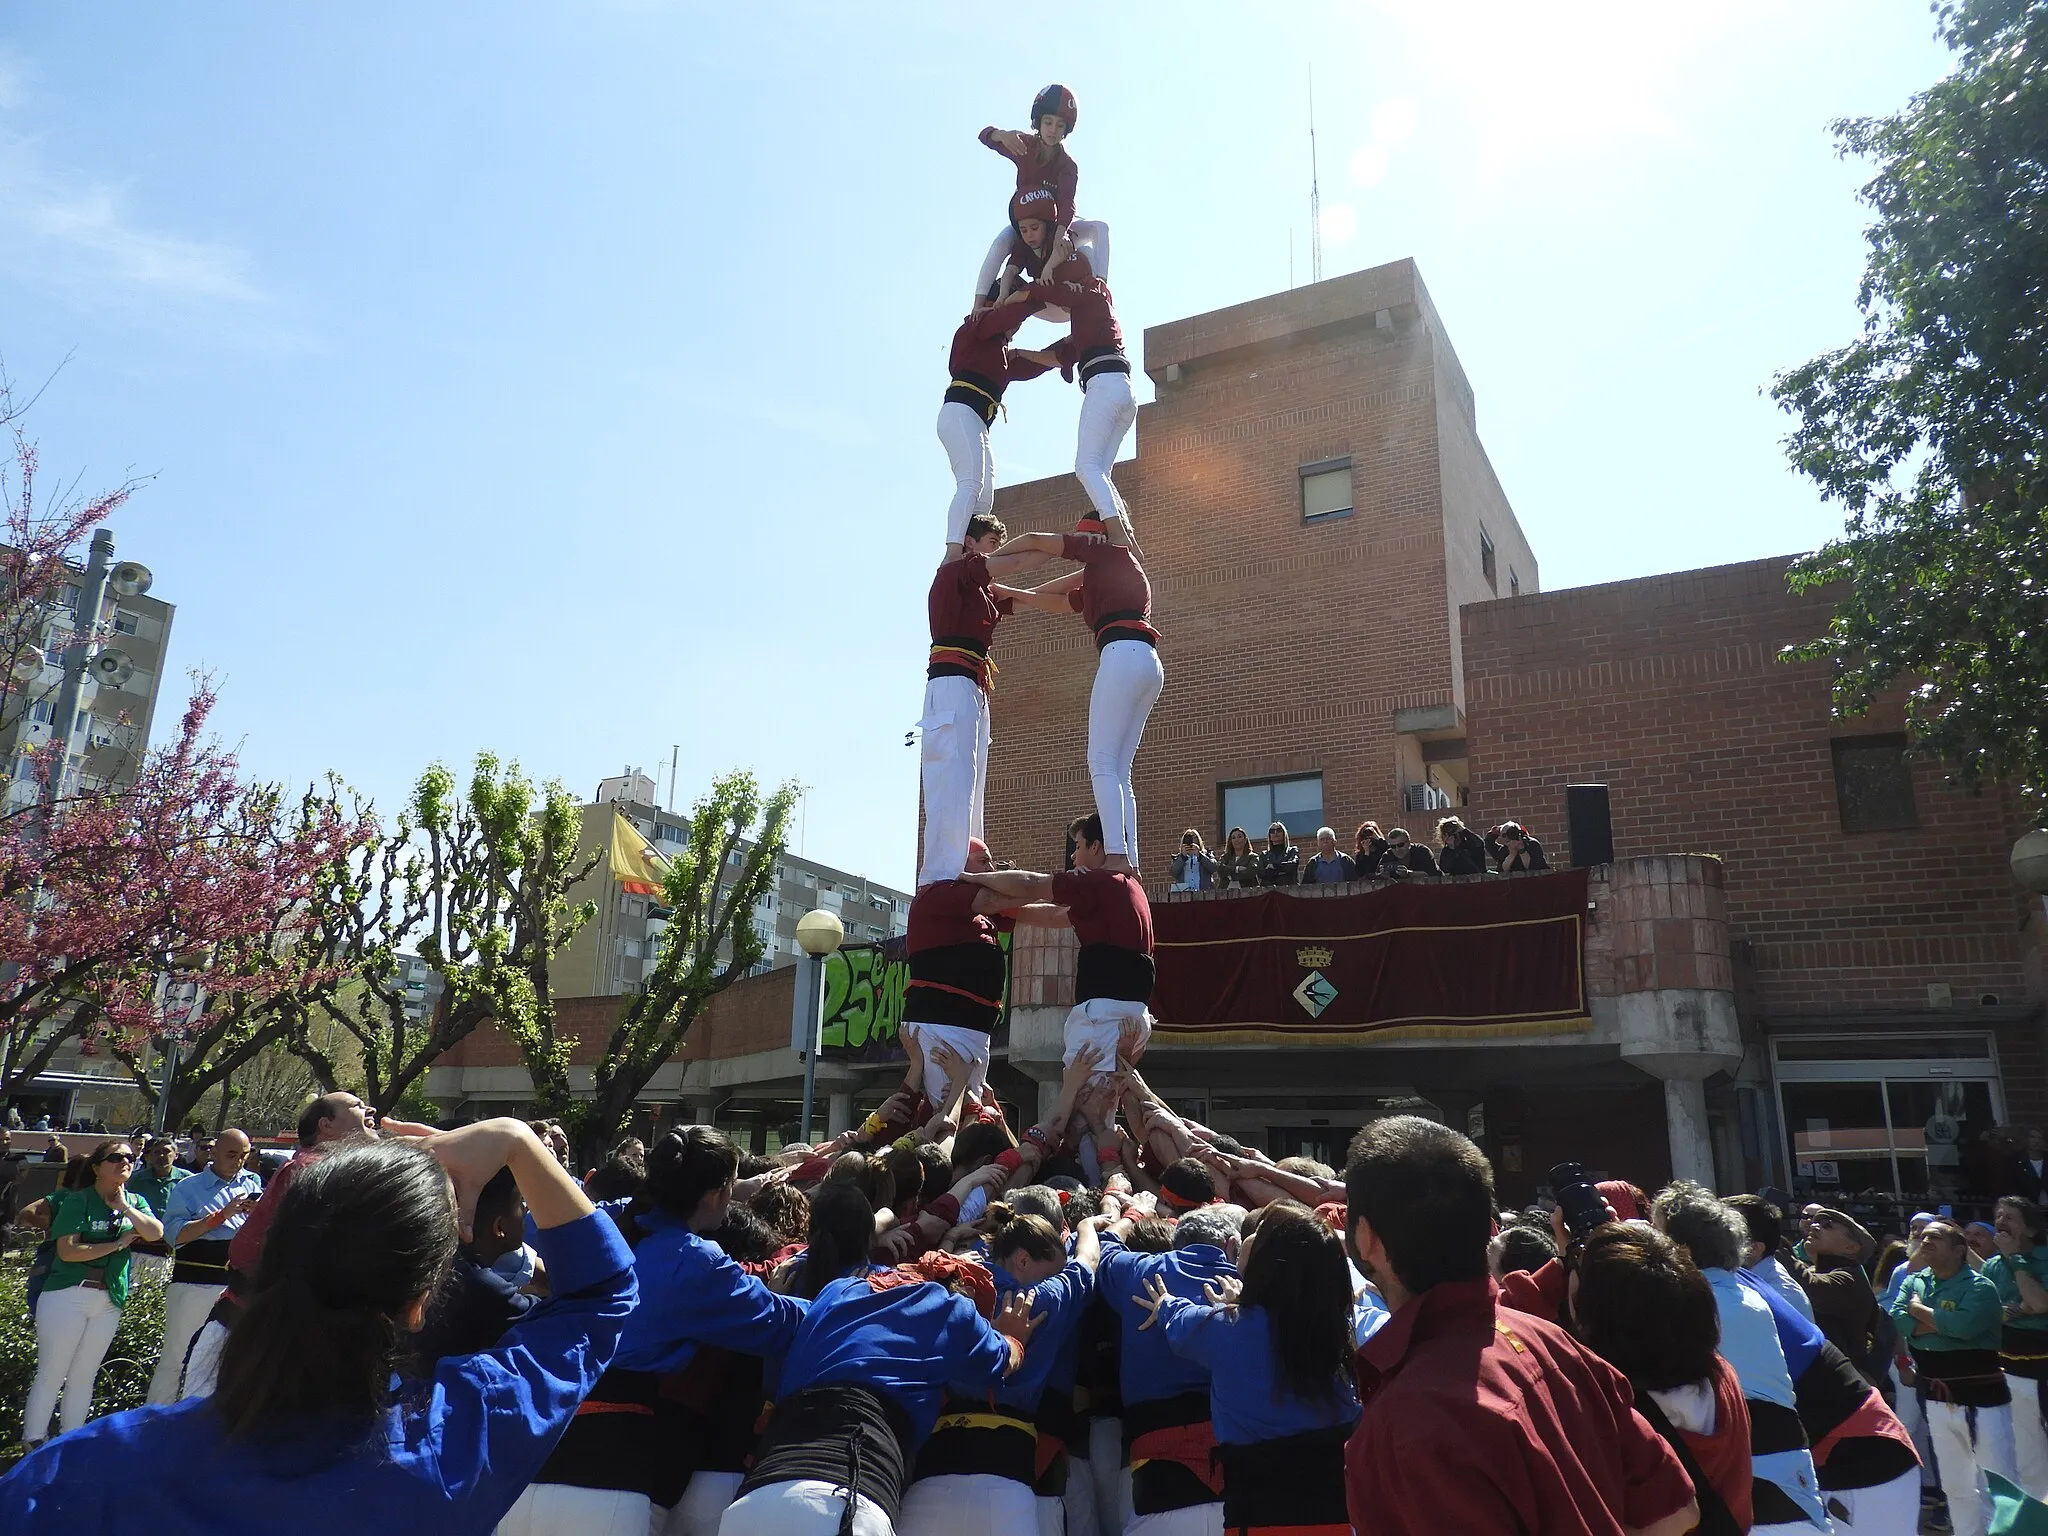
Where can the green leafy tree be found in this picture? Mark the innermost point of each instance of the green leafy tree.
(710, 888)
(477, 887)
(1931, 428)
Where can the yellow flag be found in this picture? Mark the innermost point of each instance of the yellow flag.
(635, 864)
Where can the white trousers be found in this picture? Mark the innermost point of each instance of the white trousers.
(1108, 411)
(805, 1507)
(202, 1365)
(971, 1044)
(965, 437)
(1961, 1459)
(556, 1509)
(968, 1504)
(1195, 1520)
(702, 1505)
(185, 1309)
(1083, 1511)
(1889, 1509)
(1114, 1027)
(74, 1326)
(1090, 237)
(1128, 680)
(954, 767)
(2029, 1439)
(1052, 1516)
(1907, 1405)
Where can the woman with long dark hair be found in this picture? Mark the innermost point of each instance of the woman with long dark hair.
(80, 1303)
(1640, 1303)
(860, 1388)
(1237, 865)
(1277, 1344)
(305, 1431)
(633, 1448)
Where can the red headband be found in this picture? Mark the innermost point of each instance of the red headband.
(1181, 1204)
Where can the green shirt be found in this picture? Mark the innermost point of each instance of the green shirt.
(1967, 1312)
(90, 1219)
(156, 1192)
(1998, 1269)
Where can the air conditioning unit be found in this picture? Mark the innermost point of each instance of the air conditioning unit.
(1425, 797)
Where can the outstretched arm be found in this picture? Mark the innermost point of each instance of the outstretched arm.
(1015, 886)
(1025, 552)
(1052, 597)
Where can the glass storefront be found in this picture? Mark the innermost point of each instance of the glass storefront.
(1913, 1120)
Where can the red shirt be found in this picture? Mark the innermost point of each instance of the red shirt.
(1478, 1418)
(1058, 174)
(943, 913)
(964, 614)
(1114, 596)
(245, 1250)
(1724, 1455)
(981, 346)
(1107, 906)
(1094, 328)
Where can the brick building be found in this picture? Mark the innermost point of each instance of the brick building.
(1807, 964)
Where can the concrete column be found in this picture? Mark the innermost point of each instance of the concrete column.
(1685, 1123)
(1048, 1095)
(839, 1114)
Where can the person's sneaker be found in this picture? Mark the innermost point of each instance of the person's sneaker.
(1934, 1520)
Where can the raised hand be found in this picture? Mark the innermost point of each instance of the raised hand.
(1013, 1320)
(1152, 1298)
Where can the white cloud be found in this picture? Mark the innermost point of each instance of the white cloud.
(74, 233)
(1340, 223)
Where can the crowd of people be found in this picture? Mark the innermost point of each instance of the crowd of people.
(1374, 855)
(933, 1324)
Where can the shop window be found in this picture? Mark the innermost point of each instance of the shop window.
(1873, 784)
(1325, 490)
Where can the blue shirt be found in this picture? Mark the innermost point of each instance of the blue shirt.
(1150, 1366)
(452, 1462)
(692, 1294)
(908, 1343)
(1253, 1404)
(203, 1194)
(1060, 1301)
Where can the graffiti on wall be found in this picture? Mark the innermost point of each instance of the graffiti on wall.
(863, 1010)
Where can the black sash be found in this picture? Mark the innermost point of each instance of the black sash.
(840, 1434)
(2023, 1352)
(203, 1261)
(620, 1440)
(1970, 1378)
(1295, 1481)
(957, 984)
(998, 1443)
(1110, 970)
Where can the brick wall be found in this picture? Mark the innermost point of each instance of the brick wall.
(1287, 648)
(1669, 690)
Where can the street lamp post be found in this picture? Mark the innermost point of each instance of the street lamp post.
(818, 934)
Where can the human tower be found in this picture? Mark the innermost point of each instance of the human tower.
(1048, 263)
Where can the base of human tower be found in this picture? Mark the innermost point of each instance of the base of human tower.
(1575, 1014)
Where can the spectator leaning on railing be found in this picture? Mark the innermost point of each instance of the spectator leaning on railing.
(1463, 850)
(1193, 869)
(1512, 849)
(1280, 864)
(1327, 866)
(1405, 857)
(1238, 865)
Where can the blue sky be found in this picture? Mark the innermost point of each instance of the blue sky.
(560, 379)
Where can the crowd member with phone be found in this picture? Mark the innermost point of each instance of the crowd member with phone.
(201, 1219)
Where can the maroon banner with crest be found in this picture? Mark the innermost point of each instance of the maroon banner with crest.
(1471, 959)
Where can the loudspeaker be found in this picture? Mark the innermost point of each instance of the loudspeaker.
(1589, 824)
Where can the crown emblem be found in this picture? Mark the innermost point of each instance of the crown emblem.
(1314, 957)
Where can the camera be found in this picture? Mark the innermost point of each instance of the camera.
(1578, 1197)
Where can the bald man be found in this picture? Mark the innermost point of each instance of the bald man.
(201, 1218)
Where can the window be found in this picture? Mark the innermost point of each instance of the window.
(1873, 785)
(1514, 583)
(1325, 490)
(125, 622)
(1296, 802)
(1488, 567)
(42, 712)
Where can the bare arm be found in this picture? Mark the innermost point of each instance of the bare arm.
(1016, 887)
(1051, 545)
(1677, 1523)
(1040, 914)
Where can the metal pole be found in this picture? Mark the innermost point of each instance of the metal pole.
(85, 619)
(812, 998)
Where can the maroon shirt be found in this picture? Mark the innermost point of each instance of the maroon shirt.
(957, 965)
(943, 914)
(1058, 174)
(1114, 597)
(964, 615)
(981, 363)
(1113, 921)
(1479, 1418)
(1086, 300)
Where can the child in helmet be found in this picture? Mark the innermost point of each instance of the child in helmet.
(1042, 164)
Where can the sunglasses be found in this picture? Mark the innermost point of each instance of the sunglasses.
(117, 1157)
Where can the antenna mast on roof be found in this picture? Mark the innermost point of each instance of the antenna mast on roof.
(1315, 192)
